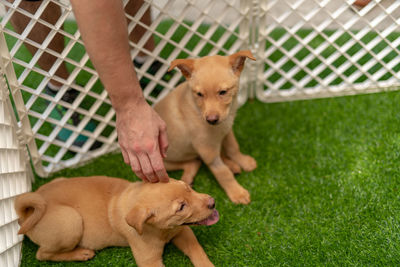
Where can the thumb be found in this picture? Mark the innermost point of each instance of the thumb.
(163, 141)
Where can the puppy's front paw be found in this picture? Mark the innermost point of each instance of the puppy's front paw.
(248, 163)
(83, 254)
(239, 196)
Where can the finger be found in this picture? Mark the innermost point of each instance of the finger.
(163, 141)
(146, 168)
(125, 155)
(136, 168)
(158, 167)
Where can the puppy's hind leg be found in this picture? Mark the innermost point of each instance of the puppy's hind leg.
(231, 148)
(78, 254)
(190, 168)
(58, 234)
(233, 166)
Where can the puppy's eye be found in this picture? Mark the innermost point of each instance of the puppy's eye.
(181, 207)
(222, 92)
(199, 94)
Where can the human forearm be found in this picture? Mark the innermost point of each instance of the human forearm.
(141, 132)
(103, 27)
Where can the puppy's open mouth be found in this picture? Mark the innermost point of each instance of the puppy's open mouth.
(210, 220)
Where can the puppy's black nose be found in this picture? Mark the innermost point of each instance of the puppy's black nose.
(211, 203)
(212, 119)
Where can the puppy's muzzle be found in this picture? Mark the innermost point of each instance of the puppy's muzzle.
(212, 119)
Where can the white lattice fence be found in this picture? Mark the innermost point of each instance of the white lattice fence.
(69, 132)
(15, 172)
(312, 48)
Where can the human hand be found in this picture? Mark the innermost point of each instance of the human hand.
(142, 137)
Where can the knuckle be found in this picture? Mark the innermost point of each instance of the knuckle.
(149, 146)
(136, 169)
(159, 169)
(158, 165)
(137, 148)
(163, 126)
(148, 173)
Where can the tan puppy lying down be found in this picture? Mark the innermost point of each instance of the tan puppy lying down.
(199, 115)
(70, 218)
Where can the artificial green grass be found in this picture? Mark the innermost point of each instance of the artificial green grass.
(326, 190)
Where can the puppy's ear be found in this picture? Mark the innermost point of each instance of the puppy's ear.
(185, 65)
(137, 216)
(237, 60)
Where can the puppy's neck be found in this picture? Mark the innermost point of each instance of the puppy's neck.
(164, 235)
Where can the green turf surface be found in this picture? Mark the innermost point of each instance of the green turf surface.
(326, 190)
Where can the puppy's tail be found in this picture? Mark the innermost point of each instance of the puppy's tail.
(30, 208)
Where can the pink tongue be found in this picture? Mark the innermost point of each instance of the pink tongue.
(212, 219)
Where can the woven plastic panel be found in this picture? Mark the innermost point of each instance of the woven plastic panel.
(310, 48)
(15, 176)
(69, 131)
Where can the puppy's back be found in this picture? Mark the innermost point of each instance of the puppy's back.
(82, 189)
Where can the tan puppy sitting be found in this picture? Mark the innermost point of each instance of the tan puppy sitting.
(199, 115)
(70, 218)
